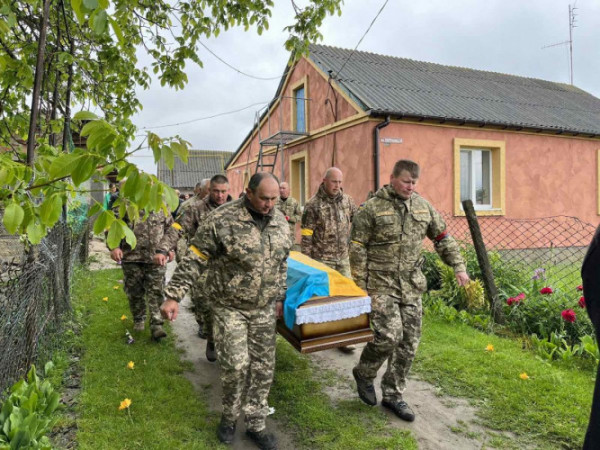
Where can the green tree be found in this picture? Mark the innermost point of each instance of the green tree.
(55, 54)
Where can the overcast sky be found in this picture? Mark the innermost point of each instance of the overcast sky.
(504, 36)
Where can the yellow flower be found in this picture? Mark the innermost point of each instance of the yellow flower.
(524, 376)
(123, 317)
(124, 404)
(116, 288)
(130, 365)
(489, 348)
(104, 299)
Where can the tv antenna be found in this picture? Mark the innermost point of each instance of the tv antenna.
(572, 25)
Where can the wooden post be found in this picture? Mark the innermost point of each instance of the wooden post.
(484, 262)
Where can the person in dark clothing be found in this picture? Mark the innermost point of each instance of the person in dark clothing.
(590, 274)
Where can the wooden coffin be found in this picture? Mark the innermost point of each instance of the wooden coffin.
(314, 337)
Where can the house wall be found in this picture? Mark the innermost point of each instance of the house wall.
(319, 115)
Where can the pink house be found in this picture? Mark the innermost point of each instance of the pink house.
(520, 148)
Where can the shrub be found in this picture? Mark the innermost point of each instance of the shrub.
(27, 414)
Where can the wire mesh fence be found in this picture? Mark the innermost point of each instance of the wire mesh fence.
(34, 298)
(556, 244)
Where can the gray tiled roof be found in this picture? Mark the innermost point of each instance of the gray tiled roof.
(403, 87)
(201, 164)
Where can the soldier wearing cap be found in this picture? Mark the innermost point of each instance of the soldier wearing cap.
(243, 246)
(385, 256)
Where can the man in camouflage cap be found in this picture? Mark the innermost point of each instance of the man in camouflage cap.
(243, 246)
(187, 224)
(385, 255)
(144, 268)
(290, 208)
(326, 226)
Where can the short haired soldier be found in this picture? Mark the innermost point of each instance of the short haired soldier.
(385, 256)
(290, 208)
(243, 246)
(187, 223)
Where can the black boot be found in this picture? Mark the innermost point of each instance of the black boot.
(400, 408)
(365, 388)
(225, 432)
(263, 439)
(211, 354)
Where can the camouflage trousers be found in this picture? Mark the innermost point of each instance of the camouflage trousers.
(245, 344)
(144, 282)
(341, 265)
(396, 323)
(202, 310)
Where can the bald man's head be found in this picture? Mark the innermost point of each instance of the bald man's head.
(284, 190)
(332, 182)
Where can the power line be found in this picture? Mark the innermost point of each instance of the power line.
(205, 118)
(361, 39)
(238, 70)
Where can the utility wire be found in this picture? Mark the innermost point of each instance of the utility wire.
(206, 117)
(238, 70)
(361, 39)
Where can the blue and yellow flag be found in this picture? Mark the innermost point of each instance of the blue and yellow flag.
(308, 278)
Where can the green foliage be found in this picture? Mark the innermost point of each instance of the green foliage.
(91, 58)
(27, 415)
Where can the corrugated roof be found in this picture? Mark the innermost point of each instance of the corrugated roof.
(201, 164)
(404, 87)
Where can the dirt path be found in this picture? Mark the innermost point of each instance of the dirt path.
(441, 423)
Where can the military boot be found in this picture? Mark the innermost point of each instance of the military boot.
(365, 388)
(263, 439)
(157, 332)
(225, 432)
(211, 354)
(138, 326)
(400, 408)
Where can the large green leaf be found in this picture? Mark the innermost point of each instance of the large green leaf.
(180, 150)
(115, 234)
(84, 169)
(50, 210)
(167, 154)
(64, 165)
(103, 221)
(130, 237)
(85, 115)
(13, 216)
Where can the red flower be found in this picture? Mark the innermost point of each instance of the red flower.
(520, 297)
(510, 301)
(580, 288)
(546, 290)
(568, 315)
(287, 218)
(582, 302)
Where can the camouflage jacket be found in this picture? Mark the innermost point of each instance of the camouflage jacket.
(152, 234)
(247, 267)
(191, 214)
(326, 226)
(290, 209)
(386, 241)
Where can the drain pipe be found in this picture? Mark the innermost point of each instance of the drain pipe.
(378, 127)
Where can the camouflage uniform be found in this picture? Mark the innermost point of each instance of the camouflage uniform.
(142, 278)
(326, 229)
(385, 254)
(291, 210)
(245, 257)
(191, 216)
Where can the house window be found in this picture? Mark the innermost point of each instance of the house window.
(476, 177)
(300, 110)
(479, 175)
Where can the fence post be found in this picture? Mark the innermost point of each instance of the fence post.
(484, 263)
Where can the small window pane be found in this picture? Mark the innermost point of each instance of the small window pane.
(300, 113)
(465, 175)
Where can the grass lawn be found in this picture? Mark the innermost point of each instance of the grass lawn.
(550, 409)
(165, 411)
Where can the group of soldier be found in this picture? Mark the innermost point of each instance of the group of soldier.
(235, 267)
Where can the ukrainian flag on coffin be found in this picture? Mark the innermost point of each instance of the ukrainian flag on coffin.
(308, 278)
